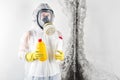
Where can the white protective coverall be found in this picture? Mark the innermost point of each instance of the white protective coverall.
(38, 70)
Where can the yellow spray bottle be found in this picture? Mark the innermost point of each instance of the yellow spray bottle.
(41, 48)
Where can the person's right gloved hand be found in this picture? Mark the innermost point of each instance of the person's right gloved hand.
(33, 56)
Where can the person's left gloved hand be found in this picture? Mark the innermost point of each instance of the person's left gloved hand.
(59, 55)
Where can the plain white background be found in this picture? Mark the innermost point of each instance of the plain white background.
(102, 39)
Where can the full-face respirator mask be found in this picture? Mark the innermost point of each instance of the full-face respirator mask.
(45, 19)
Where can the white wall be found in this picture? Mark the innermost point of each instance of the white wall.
(13, 19)
(102, 34)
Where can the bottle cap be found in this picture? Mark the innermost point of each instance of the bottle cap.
(40, 40)
(60, 37)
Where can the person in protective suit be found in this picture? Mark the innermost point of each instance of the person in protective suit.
(43, 30)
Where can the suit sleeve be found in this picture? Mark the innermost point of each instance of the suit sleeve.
(24, 46)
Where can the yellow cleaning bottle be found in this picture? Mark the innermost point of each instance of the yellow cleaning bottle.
(41, 48)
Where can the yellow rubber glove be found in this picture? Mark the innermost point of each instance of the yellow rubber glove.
(33, 56)
(59, 55)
